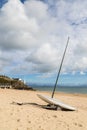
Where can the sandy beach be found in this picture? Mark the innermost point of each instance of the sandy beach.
(32, 117)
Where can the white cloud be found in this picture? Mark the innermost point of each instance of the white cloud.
(82, 73)
(33, 36)
(36, 9)
(17, 30)
(44, 59)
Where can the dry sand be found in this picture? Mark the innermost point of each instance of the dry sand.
(32, 117)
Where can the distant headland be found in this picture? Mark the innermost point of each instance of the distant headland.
(13, 83)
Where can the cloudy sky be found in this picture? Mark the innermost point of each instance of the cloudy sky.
(33, 35)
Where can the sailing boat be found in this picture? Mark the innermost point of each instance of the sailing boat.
(52, 102)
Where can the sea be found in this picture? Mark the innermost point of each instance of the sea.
(81, 89)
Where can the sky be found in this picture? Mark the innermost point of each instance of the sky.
(33, 35)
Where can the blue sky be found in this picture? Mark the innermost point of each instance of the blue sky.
(33, 35)
(2, 2)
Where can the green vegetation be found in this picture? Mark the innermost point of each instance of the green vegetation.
(14, 82)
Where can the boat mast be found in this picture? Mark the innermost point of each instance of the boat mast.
(60, 68)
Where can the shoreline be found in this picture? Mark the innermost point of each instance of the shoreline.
(63, 93)
(72, 90)
(50, 92)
